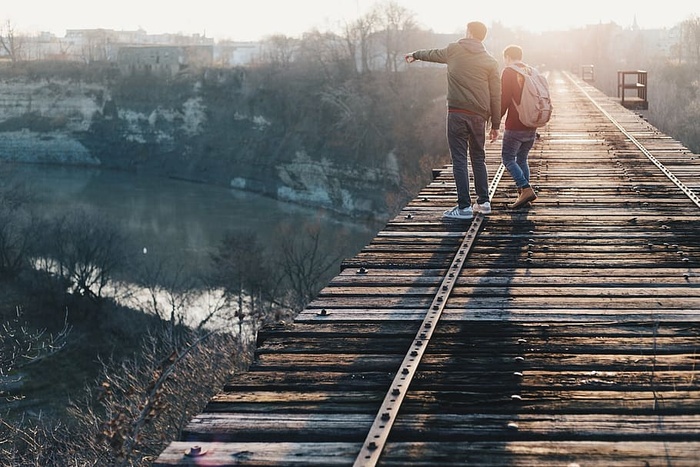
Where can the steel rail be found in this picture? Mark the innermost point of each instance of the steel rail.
(688, 192)
(381, 427)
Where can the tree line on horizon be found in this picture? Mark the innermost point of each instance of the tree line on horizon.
(345, 65)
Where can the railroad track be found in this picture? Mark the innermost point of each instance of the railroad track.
(560, 334)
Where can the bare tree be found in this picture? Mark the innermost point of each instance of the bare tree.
(96, 46)
(306, 263)
(241, 268)
(144, 402)
(326, 52)
(25, 443)
(279, 49)
(168, 289)
(80, 253)
(358, 38)
(136, 408)
(22, 345)
(397, 25)
(690, 39)
(178, 295)
(18, 231)
(10, 41)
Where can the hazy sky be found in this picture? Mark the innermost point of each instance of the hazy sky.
(253, 19)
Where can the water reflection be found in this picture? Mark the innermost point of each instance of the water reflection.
(176, 219)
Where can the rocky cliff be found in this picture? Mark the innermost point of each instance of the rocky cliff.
(222, 127)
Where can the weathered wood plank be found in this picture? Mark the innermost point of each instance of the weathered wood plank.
(522, 315)
(536, 279)
(532, 381)
(593, 362)
(512, 291)
(507, 331)
(329, 427)
(439, 454)
(503, 401)
(505, 302)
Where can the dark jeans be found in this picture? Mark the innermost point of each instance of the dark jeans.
(514, 152)
(467, 132)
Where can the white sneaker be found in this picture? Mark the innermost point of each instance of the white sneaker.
(457, 213)
(484, 208)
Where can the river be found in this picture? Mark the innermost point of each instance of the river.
(177, 219)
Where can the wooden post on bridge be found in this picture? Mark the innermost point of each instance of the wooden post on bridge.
(588, 73)
(638, 85)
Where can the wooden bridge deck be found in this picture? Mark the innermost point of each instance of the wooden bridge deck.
(568, 333)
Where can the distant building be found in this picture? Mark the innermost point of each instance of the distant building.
(91, 45)
(137, 50)
(131, 50)
(162, 59)
(230, 53)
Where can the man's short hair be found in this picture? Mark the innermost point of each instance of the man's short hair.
(477, 30)
(514, 52)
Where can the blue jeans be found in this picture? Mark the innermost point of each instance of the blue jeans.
(467, 133)
(514, 152)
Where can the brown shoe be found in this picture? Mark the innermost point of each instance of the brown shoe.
(528, 204)
(526, 195)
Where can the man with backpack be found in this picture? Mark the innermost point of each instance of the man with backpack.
(525, 98)
(473, 97)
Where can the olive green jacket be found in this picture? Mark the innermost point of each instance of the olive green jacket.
(473, 77)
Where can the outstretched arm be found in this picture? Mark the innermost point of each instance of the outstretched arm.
(428, 55)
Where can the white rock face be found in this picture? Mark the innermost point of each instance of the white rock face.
(40, 148)
(61, 121)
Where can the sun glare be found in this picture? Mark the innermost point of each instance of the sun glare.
(265, 17)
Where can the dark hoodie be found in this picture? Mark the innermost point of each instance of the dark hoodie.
(473, 77)
(512, 87)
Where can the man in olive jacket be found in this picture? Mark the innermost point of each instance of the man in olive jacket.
(473, 97)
